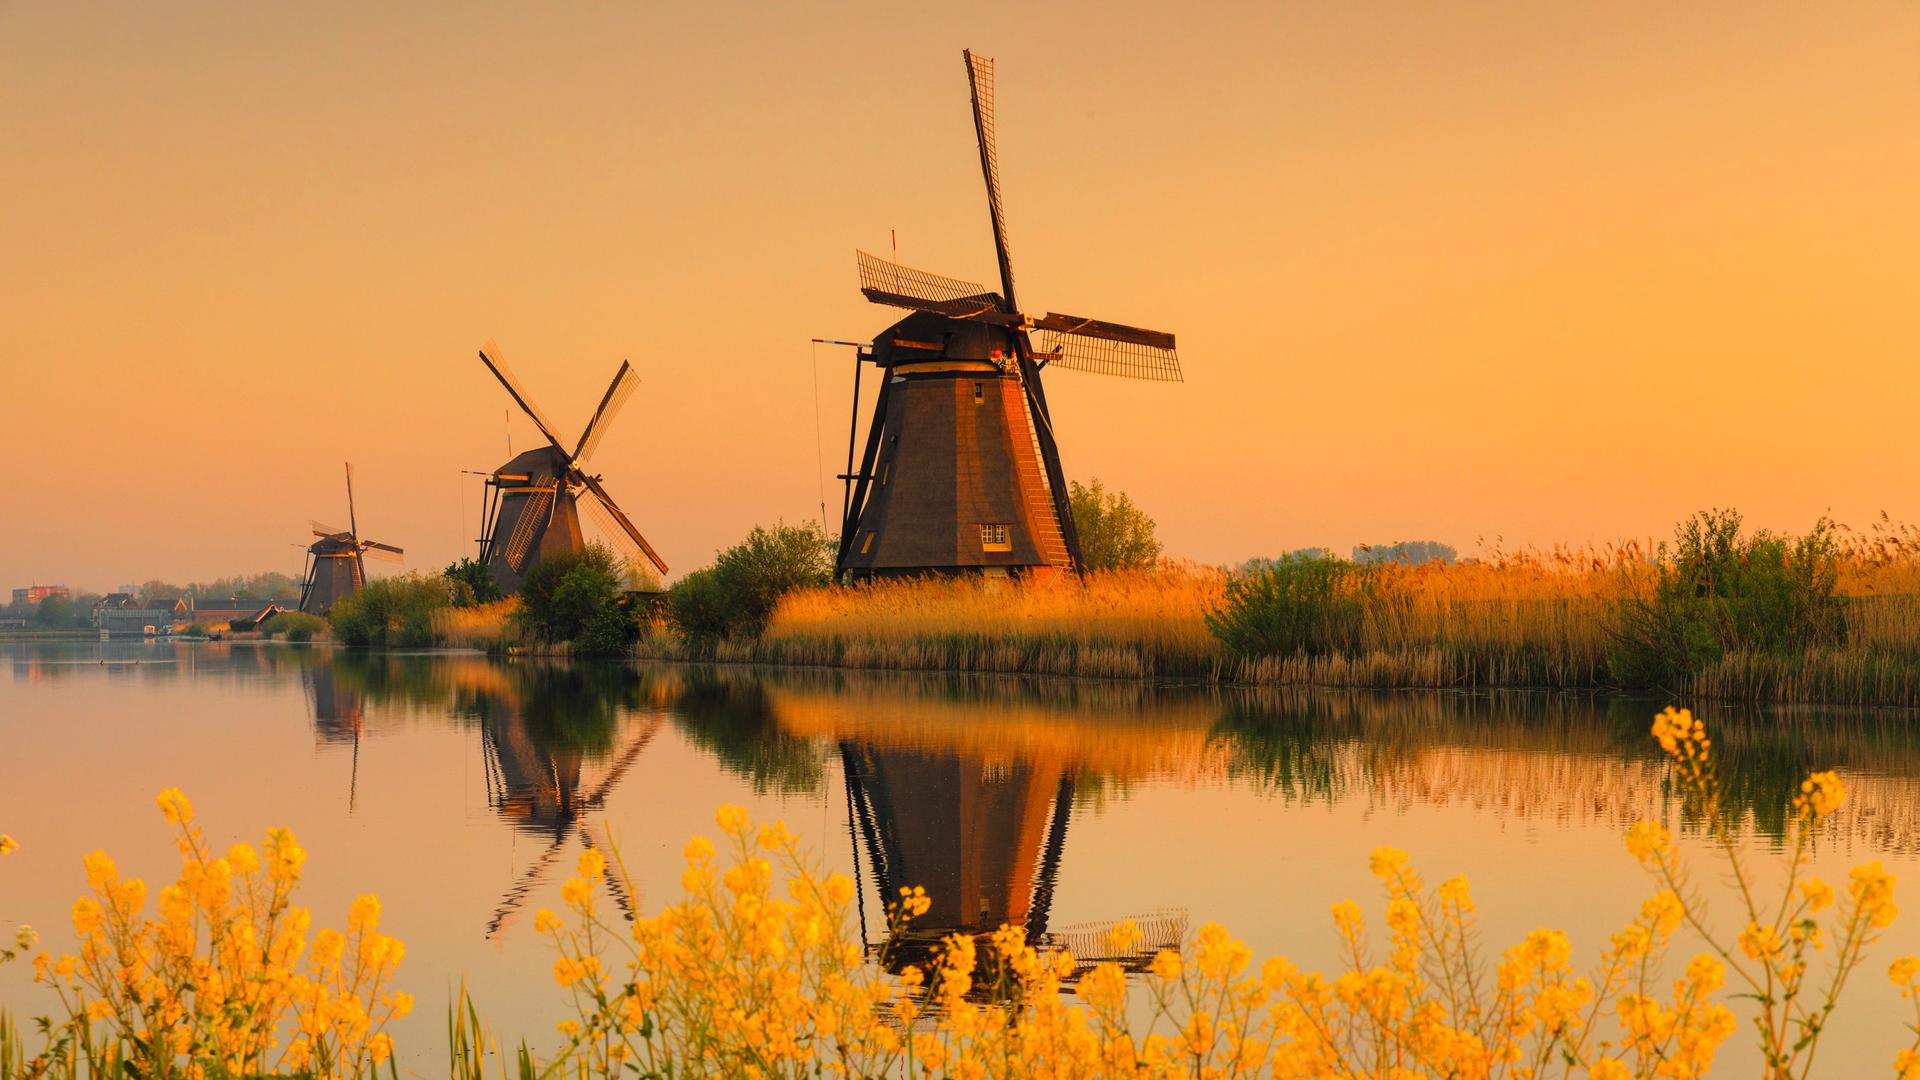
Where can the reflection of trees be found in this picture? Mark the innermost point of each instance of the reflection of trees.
(1532, 755)
(727, 714)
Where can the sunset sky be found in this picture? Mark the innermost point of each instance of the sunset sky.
(1562, 271)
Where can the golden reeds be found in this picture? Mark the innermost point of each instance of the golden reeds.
(1511, 619)
(487, 627)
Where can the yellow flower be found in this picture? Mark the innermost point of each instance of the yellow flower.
(732, 819)
(1386, 861)
(364, 914)
(1663, 912)
(1871, 887)
(1901, 973)
(592, 864)
(1648, 839)
(1759, 942)
(1820, 794)
(175, 807)
(577, 893)
(567, 971)
(545, 921)
(8, 845)
(839, 889)
(1678, 731)
(568, 1028)
(1817, 893)
(1166, 965)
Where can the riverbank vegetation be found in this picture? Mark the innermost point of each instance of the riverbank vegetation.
(759, 969)
(1831, 616)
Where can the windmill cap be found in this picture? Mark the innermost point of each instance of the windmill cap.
(923, 335)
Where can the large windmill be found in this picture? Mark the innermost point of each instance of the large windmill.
(961, 470)
(336, 561)
(532, 504)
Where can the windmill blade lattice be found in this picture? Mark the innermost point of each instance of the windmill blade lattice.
(532, 520)
(980, 79)
(498, 365)
(618, 391)
(886, 282)
(626, 525)
(1105, 356)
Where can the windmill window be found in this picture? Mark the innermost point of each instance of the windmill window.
(867, 544)
(996, 538)
(979, 393)
(885, 471)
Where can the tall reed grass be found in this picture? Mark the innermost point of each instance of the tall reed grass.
(488, 627)
(1537, 619)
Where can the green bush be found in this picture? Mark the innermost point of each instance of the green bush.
(471, 583)
(392, 612)
(697, 608)
(1718, 592)
(563, 595)
(1296, 604)
(293, 625)
(736, 596)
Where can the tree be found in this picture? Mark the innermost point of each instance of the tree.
(736, 596)
(1114, 533)
(472, 584)
(1410, 552)
(56, 613)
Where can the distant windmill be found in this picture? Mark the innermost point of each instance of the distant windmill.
(336, 562)
(961, 470)
(531, 507)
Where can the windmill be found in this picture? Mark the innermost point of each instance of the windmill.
(531, 506)
(961, 470)
(336, 561)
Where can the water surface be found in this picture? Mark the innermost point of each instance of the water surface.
(462, 789)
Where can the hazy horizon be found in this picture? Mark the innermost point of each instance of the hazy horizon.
(1547, 273)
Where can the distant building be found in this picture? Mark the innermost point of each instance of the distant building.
(226, 611)
(33, 594)
(131, 616)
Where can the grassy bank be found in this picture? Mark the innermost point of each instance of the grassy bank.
(1548, 620)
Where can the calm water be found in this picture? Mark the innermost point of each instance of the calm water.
(461, 790)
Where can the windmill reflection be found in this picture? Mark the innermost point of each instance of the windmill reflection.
(971, 796)
(555, 748)
(556, 740)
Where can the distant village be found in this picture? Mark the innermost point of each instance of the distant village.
(135, 612)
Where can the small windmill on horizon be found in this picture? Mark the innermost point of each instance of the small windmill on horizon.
(961, 471)
(336, 562)
(531, 505)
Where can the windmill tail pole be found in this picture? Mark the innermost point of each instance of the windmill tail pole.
(853, 434)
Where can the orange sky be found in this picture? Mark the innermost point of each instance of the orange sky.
(1543, 271)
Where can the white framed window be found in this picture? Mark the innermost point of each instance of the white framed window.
(996, 537)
